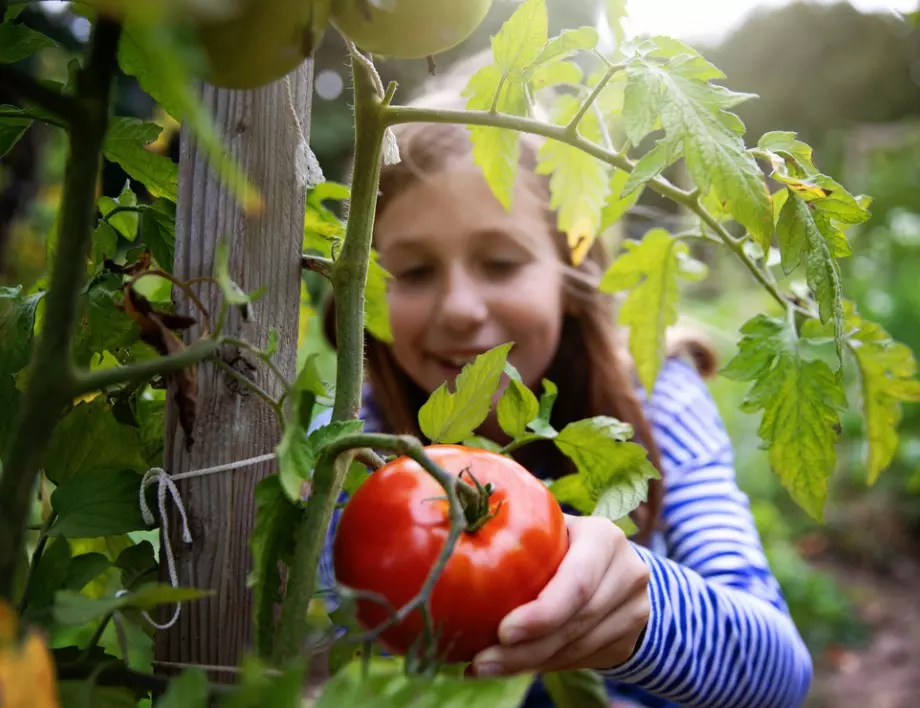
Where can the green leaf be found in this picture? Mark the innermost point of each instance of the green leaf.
(17, 321)
(71, 608)
(17, 41)
(542, 425)
(82, 694)
(579, 183)
(125, 144)
(83, 569)
(451, 417)
(89, 441)
(49, 576)
(158, 232)
(138, 565)
(496, 151)
(887, 372)
(105, 243)
(516, 408)
(189, 690)
(271, 542)
(803, 238)
(800, 399)
(11, 130)
(567, 42)
(786, 144)
(125, 222)
(522, 37)
(613, 474)
(617, 205)
(233, 293)
(582, 688)
(103, 326)
(695, 112)
(665, 153)
(376, 311)
(554, 73)
(99, 504)
(297, 452)
(387, 686)
(259, 686)
(650, 270)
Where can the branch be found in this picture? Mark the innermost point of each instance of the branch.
(30, 114)
(251, 385)
(349, 279)
(572, 127)
(36, 559)
(117, 674)
(318, 264)
(31, 91)
(413, 114)
(49, 386)
(89, 382)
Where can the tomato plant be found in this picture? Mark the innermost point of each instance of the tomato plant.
(395, 525)
(408, 29)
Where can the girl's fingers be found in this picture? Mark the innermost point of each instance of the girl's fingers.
(591, 545)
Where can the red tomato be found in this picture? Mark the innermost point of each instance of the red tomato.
(395, 525)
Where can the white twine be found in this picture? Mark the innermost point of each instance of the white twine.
(167, 483)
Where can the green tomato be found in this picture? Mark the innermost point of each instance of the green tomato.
(408, 29)
(263, 41)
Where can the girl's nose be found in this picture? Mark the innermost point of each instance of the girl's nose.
(463, 306)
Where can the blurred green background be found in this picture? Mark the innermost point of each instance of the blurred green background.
(848, 81)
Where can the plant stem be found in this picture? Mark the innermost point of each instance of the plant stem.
(90, 382)
(273, 367)
(28, 89)
(572, 127)
(318, 264)
(416, 114)
(349, 279)
(50, 383)
(251, 385)
(184, 287)
(36, 559)
(520, 442)
(117, 674)
(27, 114)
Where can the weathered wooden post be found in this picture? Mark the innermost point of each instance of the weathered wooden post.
(232, 424)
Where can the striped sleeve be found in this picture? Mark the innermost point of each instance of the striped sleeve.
(719, 632)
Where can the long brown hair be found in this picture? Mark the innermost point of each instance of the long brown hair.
(591, 368)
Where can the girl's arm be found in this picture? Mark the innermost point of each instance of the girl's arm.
(719, 633)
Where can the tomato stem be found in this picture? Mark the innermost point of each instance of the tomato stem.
(475, 501)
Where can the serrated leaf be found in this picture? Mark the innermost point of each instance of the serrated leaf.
(568, 41)
(158, 232)
(650, 270)
(98, 504)
(516, 408)
(803, 238)
(189, 690)
(103, 326)
(785, 143)
(521, 38)
(387, 684)
(17, 41)
(554, 73)
(542, 425)
(617, 205)
(125, 144)
(125, 222)
(451, 417)
(297, 452)
(665, 153)
(496, 151)
(582, 688)
(887, 372)
(11, 130)
(105, 243)
(271, 543)
(72, 608)
(17, 322)
(800, 399)
(641, 102)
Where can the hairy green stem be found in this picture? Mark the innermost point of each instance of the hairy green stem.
(49, 386)
(90, 382)
(690, 199)
(349, 279)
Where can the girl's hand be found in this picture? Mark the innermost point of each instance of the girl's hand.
(589, 616)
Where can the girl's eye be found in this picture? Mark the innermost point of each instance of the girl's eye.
(501, 266)
(415, 275)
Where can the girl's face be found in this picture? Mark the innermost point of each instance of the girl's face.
(468, 276)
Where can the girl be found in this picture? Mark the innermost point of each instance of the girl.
(685, 613)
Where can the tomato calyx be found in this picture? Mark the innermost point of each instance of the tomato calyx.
(475, 501)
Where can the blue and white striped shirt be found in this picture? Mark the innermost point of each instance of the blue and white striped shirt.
(719, 634)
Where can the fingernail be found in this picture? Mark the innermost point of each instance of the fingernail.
(486, 670)
(512, 635)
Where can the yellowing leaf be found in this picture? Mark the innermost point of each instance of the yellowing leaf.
(801, 402)
(650, 269)
(887, 370)
(617, 204)
(579, 182)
